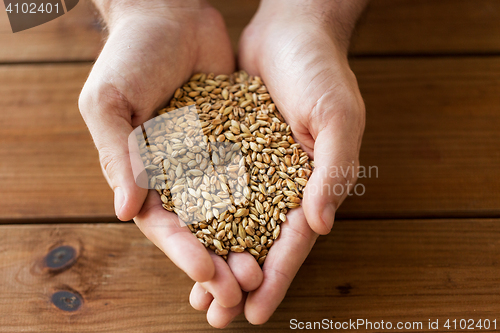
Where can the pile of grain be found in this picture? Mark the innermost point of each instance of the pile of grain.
(226, 163)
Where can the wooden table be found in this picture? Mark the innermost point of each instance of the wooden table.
(422, 243)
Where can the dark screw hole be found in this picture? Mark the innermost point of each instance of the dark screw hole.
(60, 257)
(67, 301)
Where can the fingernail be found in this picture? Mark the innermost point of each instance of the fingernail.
(329, 215)
(119, 200)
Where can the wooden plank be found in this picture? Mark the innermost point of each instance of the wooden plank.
(428, 26)
(404, 26)
(398, 270)
(388, 27)
(49, 166)
(75, 36)
(432, 131)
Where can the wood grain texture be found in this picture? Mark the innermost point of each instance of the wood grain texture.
(404, 26)
(49, 166)
(376, 270)
(432, 131)
(388, 27)
(75, 36)
(428, 27)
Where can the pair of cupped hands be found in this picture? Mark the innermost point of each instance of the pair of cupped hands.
(301, 54)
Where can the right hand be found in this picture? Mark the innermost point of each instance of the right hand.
(154, 47)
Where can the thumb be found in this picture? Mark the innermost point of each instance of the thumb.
(108, 117)
(336, 163)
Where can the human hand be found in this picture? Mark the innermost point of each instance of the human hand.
(153, 48)
(300, 51)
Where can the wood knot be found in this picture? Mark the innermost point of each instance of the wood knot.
(345, 289)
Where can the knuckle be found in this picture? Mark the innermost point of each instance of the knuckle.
(340, 108)
(101, 97)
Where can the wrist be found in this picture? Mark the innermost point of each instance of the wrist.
(337, 18)
(115, 11)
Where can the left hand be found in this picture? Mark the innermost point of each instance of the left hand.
(302, 57)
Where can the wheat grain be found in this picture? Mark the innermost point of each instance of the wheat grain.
(230, 168)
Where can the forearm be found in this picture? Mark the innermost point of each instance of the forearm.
(338, 15)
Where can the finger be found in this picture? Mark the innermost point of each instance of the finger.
(283, 261)
(220, 317)
(336, 153)
(199, 298)
(178, 243)
(246, 270)
(223, 286)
